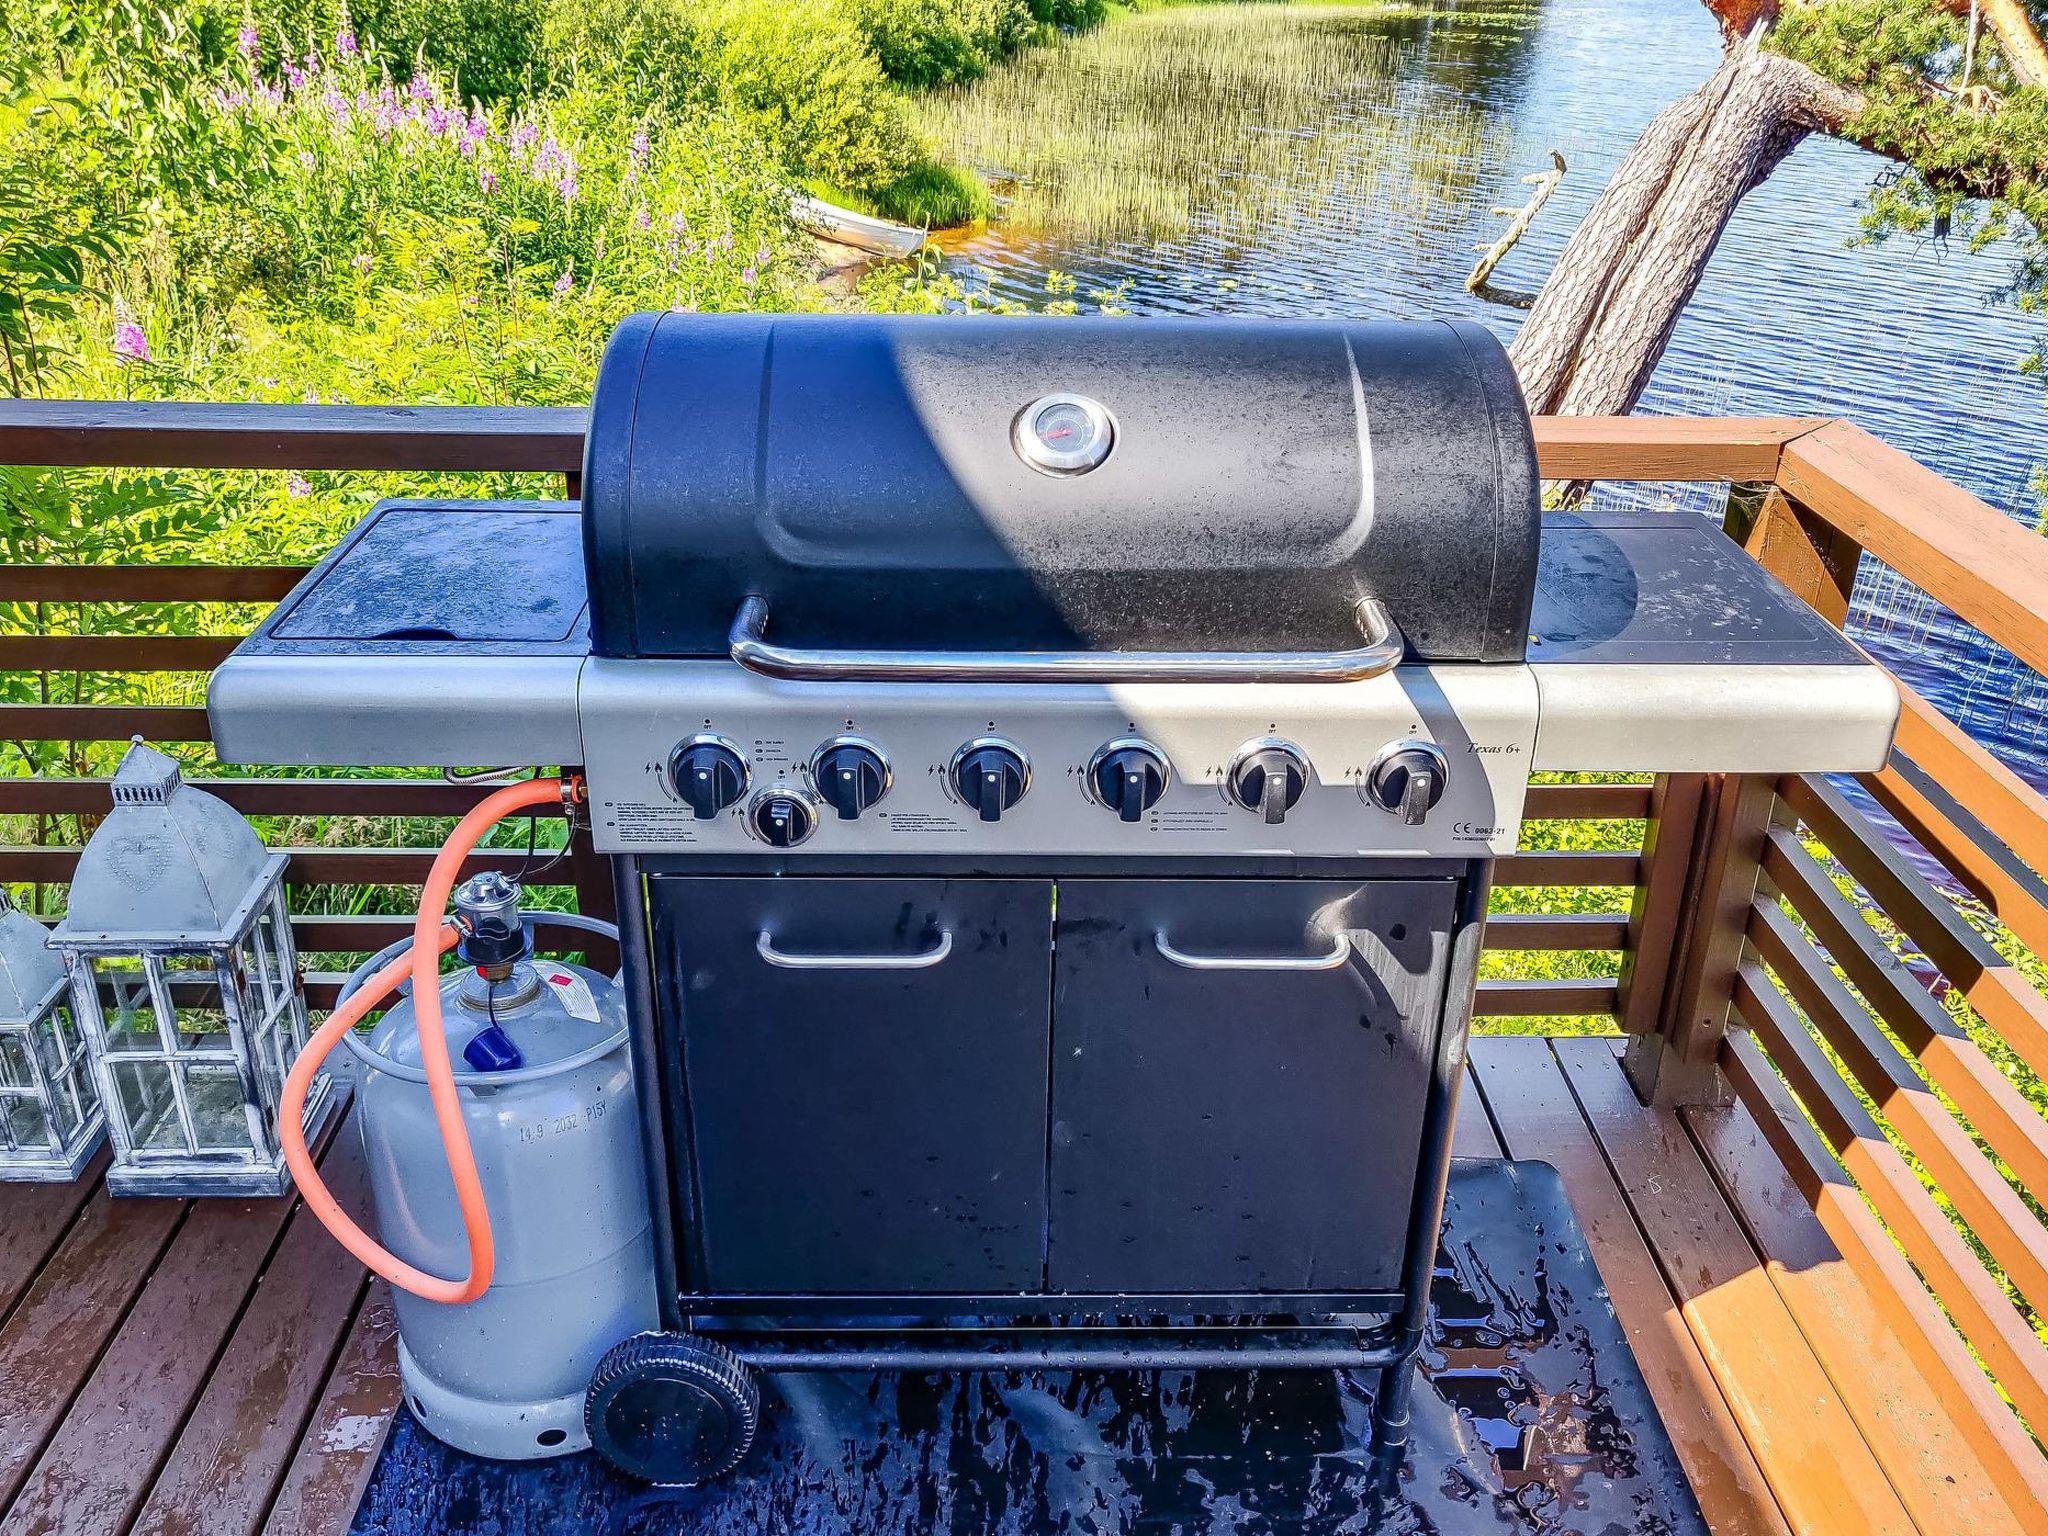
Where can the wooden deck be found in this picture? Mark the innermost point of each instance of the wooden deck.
(221, 1368)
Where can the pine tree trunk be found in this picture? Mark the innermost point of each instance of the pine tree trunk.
(1607, 311)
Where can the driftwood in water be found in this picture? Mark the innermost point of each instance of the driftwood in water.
(1545, 183)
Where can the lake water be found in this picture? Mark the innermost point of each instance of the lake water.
(1183, 178)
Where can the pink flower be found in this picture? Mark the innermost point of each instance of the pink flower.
(749, 276)
(298, 485)
(345, 42)
(642, 217)
(131, 343)
(564, 283)
(360, 261)
(487, 179)
(248, 41)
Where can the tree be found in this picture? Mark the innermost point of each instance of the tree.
(1954, 91)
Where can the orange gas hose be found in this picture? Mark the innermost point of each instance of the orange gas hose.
(432, 936)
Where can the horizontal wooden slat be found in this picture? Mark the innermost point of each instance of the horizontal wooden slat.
(2009, 1231)
(192, 435)
(408, 866)
(1587, 802)
(1972, 1295)
(1546, 999)
(266, 797)
(1999, 991)
(181, 434)
(1557, 930)
(2006, 804)
(102, 722)
(309, 866)
(147, 583)
(1604, 869)
(1951, 1059)
(1958, 549)
(1664, 447)
(113, 653)
(1988, 869)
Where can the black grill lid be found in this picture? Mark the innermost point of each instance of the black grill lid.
(860, 473)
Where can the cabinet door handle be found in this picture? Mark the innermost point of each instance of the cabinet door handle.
(922, 960)
(1338, 953)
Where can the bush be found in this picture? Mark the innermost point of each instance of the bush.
(334, 163)
(1077, 14)
(802, 75)
(926, 43)
(494, 49)
(933, 196)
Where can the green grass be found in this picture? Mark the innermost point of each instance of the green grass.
(1170, 115)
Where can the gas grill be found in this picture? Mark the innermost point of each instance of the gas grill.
(1052, 770)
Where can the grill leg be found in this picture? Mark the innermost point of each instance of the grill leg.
(1391, 1409)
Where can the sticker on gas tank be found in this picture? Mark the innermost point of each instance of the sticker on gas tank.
(573, 990)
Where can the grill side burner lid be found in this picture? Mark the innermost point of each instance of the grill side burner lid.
(1057, 484)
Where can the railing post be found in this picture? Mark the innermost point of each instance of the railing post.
(1677, 1000)
(1674, 1060)
(1817, 561)
(1670, 855)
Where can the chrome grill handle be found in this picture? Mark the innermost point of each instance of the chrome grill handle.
(1382, 651)
(764, 945)
(1338, 954)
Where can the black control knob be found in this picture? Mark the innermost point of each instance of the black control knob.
(1129, 777)
(1269, 778)
(851, 776)
(991, 776)
(1408, 780)
(708, 775)
(781, 819)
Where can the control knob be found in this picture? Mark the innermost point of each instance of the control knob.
(1269, 777)
(850, 775)
(781, 819)
(1408, 780)
(708, 774)
(1129, 777)
(991, 776)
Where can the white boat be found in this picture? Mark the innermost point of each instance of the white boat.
(864, 232)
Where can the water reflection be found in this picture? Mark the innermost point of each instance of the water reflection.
(1161, 157)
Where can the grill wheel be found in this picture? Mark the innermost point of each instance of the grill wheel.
(672, 1410)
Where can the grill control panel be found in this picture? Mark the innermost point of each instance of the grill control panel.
(703, 756)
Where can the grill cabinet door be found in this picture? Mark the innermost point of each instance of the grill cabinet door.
(867, 1118)
(1228, 1118)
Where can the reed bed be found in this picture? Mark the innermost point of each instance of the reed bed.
(1238, 123)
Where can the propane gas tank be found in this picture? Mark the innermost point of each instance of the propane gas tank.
(547, 1094)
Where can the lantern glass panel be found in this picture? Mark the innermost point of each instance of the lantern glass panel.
(220, 1118)
(67, 1068)
(22, 1122)
(147, 1091)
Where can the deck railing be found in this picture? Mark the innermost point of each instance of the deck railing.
(1889, 1040)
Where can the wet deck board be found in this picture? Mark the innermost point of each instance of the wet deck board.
(259, 1400)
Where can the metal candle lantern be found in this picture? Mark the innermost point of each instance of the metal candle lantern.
(50, 1120)
(186, 981)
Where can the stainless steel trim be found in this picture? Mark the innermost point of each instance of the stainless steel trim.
(1381, 653)
(1339, 953)
(764, 945)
